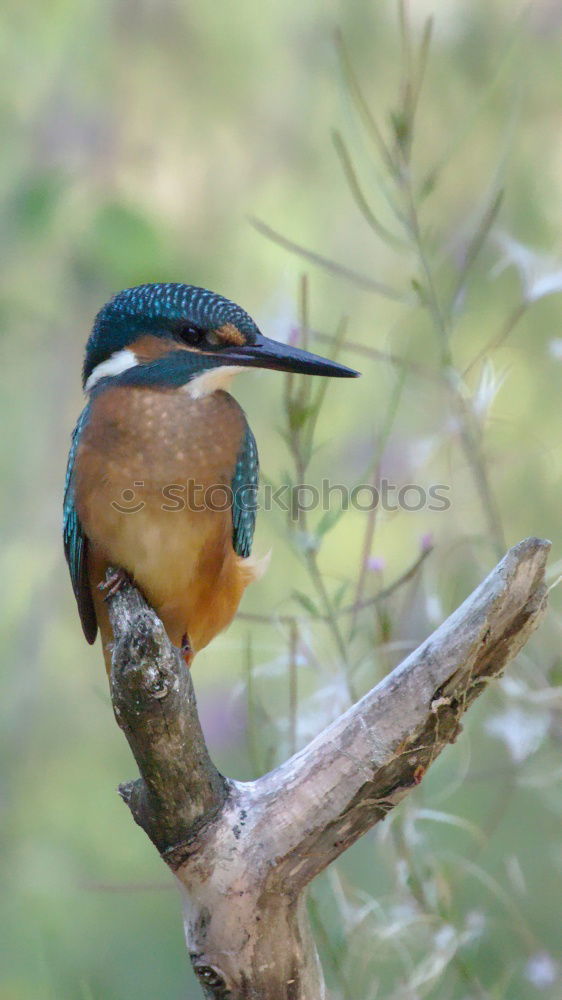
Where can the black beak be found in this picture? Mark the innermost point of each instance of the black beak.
(265, 353)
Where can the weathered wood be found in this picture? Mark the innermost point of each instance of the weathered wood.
(154, 704)
(244, 852)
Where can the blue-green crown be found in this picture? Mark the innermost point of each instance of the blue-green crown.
(158, 309)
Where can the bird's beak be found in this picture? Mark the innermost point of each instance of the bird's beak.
(266, 353)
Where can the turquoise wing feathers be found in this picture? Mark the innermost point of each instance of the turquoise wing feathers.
(245, 495)
(76, 543)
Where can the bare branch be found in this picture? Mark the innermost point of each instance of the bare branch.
(354, 772)
(244, 851)
(154, 704)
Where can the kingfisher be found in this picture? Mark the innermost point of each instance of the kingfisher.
(163, 467)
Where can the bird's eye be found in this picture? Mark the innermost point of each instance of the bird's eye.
(190, 333)
(196, 336)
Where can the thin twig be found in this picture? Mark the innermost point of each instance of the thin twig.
(507, 328)
(387, 592)
(358, 194)
(379, 355)
(331, 266)
(293, 688)
(369, 602)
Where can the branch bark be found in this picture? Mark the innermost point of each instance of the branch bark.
(244, 852)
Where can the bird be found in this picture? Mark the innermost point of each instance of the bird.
(159, 433)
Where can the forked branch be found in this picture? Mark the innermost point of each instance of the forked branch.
(244, 853)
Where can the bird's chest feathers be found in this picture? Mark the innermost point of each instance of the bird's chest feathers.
(156, 436)
(152, 472)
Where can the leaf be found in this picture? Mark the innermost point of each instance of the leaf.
(420, 292)
(422, 61)
(361, 105)
(331, 266)
(328, 521)
(298, 415)
(478, 241)
(385, 625)
(340, 594)
(307, 603)
(428, 184)
(401, 126)
(358, 194)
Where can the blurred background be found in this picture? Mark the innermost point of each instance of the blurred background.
(138, 138)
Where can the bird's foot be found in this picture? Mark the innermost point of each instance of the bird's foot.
(113, 582)
(186, 650)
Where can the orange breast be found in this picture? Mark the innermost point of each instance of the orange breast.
(153, 472)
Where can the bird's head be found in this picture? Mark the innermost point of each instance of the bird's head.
(171, 334)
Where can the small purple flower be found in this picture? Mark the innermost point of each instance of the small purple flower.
(426, 541)
(376, 564)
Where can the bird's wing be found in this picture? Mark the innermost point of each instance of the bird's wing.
(244, 495)
(76, 543)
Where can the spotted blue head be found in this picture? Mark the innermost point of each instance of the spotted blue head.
(188, 330)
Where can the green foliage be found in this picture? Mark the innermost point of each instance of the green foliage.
(138, 139)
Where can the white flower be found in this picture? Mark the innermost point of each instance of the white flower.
(444, 937)
(541, 970)
(521, 731)
(475, 925)
(434, 609)
(540, 274)
(488, 387)
(555, 348)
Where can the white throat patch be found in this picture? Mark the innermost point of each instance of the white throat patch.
(119, 362)
(211, 380)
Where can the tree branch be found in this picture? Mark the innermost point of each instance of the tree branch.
(354, 772)
(154, 704)
(244, 851)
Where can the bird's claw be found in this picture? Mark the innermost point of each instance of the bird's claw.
(113, 583)
(186, 650)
